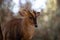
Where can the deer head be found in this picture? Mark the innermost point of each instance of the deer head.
(31, 15)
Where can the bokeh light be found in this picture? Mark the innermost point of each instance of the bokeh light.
(37, 5)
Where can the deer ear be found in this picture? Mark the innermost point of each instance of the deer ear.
(23, 13)
(37, 14)
(20, 13)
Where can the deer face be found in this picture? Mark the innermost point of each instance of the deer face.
(32, 16)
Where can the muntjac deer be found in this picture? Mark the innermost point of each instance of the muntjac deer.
(22, 28)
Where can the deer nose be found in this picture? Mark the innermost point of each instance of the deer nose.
(36, 25)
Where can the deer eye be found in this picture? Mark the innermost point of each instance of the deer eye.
(30, 17)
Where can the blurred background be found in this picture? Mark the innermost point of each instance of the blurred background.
(48, 21)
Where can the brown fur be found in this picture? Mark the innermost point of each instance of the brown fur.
(19, 29)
